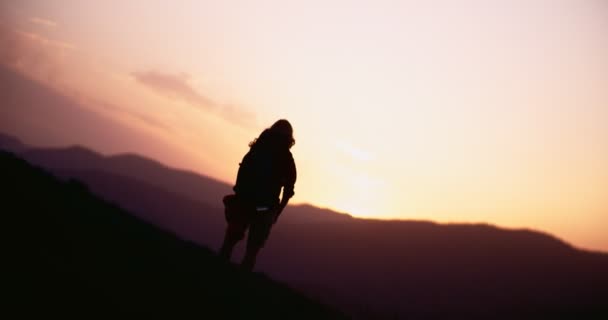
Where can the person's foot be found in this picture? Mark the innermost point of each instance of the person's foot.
(247, 265)
(225, 254)
(250, 257)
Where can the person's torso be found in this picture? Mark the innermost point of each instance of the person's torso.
(261, 176)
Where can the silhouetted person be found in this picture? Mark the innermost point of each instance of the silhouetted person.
(267, 168)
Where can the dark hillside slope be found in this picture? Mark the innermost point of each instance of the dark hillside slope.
(70, 253)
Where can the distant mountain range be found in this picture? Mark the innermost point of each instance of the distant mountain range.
(370, 269)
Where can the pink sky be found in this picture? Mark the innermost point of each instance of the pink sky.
(452, 111)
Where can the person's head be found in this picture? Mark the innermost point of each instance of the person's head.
(281, 133)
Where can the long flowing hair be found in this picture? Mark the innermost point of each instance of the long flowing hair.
(279, 136)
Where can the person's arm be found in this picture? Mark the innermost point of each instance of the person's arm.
(290, 181)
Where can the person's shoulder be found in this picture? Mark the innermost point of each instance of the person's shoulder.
(289, 156)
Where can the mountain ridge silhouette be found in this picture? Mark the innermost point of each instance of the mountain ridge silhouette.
(373, 268)
(73, 160)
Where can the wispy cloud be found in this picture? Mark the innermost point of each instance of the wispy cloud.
(177, 86)
(238, 115)
(43, 22)
(122, 111)
(353, 152)
(150, 121)
(45, 41)
(174, 86)
(33, 54)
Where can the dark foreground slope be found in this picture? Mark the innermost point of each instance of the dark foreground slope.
(70, 253)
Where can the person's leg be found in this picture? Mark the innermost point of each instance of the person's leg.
(259, 230)
(250, 257)
(235, 232)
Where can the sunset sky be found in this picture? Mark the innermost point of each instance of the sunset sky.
(451, 111)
